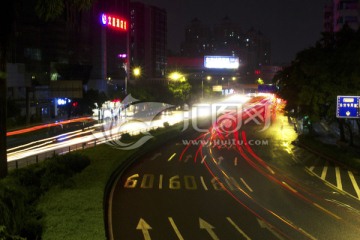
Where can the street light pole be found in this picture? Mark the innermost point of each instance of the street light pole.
(128, 61)
(202, 88)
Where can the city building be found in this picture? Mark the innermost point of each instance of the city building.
(341, 12)
(224, 41)
(109, 44)
(47, 60)
(198, 40)
(148, 40)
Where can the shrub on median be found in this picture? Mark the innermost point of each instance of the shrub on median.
(21, 189)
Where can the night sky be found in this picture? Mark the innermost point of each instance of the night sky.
(291, 25)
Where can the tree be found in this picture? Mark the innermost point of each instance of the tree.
(319, 74)
(180, 90)
(47, 10)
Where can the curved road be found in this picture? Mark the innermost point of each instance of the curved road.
(249, 184)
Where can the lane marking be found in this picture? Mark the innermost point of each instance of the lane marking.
(354, 183)
(338, 178)
(324, 171)
(203, 159)
(171, 157)
(238, 228)
(203, 183)
(288, 186)
(327, 211)
(235, 161)
(155, 156)
(177, 232)
(270, 170)
(311, 168)
(246, 185)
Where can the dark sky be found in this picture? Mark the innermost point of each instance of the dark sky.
(291, 25)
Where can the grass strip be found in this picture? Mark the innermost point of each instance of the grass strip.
(78, 212)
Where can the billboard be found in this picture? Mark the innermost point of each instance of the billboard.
(221, 62)
(348, 107)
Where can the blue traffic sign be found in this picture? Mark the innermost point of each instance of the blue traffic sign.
(348, 107)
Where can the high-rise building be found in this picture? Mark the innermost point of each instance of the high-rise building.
(341, 12)
(74, 47)
(227, 39)
(109, 44)
(198, 39)
(148, 40)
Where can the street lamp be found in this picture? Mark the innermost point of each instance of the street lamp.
(137, 72)
(202, 85)
(177, 76)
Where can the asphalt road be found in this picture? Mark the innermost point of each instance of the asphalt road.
(215, 186)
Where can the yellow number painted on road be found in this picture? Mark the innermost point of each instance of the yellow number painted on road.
(147, 181)
(190, 182)
(174, 183)
(131, 181)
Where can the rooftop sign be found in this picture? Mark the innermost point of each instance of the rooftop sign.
(114, 21)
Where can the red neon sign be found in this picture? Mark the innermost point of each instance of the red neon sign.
(114, 21)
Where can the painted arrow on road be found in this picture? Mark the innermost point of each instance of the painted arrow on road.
(144, 227)
(208, 227)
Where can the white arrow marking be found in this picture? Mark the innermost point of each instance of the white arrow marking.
(187, 158)
(144, 227)
(220, 160)
(209, 228)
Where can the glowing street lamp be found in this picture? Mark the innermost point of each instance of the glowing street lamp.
(137, 71)
(202, 85)
(177, 76)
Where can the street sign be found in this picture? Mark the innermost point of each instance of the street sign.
(217, 88)
(348, 107)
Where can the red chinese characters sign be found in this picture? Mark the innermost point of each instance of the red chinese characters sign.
(114, 21)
